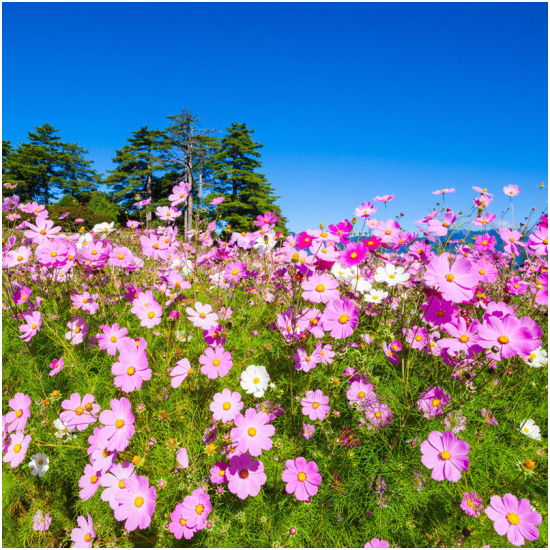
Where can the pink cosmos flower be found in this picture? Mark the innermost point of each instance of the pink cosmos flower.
(489, 417)
(306, 361)
(17, 449)
(507, 336)
(110, 338)
(217, 473)
(443, 191)
(79, 412)
(215, 362)
(20, 413)
(202, 316)
(234, 271)
(42, 230)
(252, 432)
(471, 504)
(182, 458)
(384, 198)
(217, 201)
(512, 241)
(315, 405)
(114, 481)
(83, 535)
(118, 424)
(226, 406)
(340, 318)
(132, 368)
(178, 526)
(180, 192)
(245, 476)
(196, 509)
(456, 283)
(445, 455)
(89, 482)
(365, 210)
(86, 302)
(180, 372)
(302, 478)
(307, 431)
(378, 414)
(377, 543)
(41, 522)
(320, 288)
(56, 366)
(33, 322)
(512, 190)
(362, 393)
(514, 519)
(137, 503)
(167, 213)
(78, 328)
(439, 311)
(432, 401)
(354, 254)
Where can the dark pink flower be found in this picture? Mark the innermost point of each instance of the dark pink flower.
(245, 476)
(471, 504)
(445, 455)
(315, 405)
(20, 413)
(340, 318)
(196, 509)
(302, 478)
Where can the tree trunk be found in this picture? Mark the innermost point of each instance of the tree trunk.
(149, 191)
(200, 187)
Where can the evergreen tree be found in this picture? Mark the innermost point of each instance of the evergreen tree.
(247, 192)
(138, 173)
(78, 176)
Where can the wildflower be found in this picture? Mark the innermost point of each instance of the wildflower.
(114, 481)
(78, 329)
(83, 535)
(202, 316)
(537, 358)
(306, 361)
(39, 464)
(167, 213)
(362, 393)
(136, 503)
(17, 449)
(301, 478)
(507, 335)
(445, 455)
(512, 190)
(377, 543)
(217, 473)
(180, 372)
(432, 401)
(89, 482)
(182, 458)
(103, 229)
(132, 368)
(354, 254)
(340, 318)
(79, 412)
(471, 504)
(252, 432)
(375, 296)
(178, 526)
(530, 429)
(489, 417)
(307, 431)
(365, 210)
(384, 198)
(514, 519)
(254, 380)
(216, 362)
(320, 288)
(33, 322)
(315, 405)
(391, 275)
(196, 509)
(245, 476)
(226, 405)
(56, 366)
(40, 522)
(378, 414)
(20, 413)
(118, 424)
(217, 201)
(457, 283)
(179, 195)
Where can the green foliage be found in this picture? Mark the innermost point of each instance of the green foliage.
(101, 204)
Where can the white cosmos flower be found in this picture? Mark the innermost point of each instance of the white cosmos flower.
(103, 228)
(254, 380)
(530, 429)
(62, 431)
(84, 240)
(265, 242)
(361, 285)
(345, 273)
(537, 358)
(39, 464)
(182, 337)
(375, 296)
(391, 275)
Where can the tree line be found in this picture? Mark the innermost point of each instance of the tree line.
(50, 171)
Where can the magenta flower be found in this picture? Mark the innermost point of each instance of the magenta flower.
(167, 213)
(514, 519)
(489, 417)
(507, 336)
(136, 503)
(132, 368)
(362, 393)
(215, 362)
(118, 424)
(57, 366)
(315, 405)
(180, 372)
(89, 482)
(456, 283)
(378, 414)
(445, 455)
(20, 413)
(196, 509)
(301, 478)
(83, 535)
(202, 316)
(320, 288)
(180, 192)
(79, 412)
(384, 198)
(245, 476)
(217, 201)
(340, 318)
(17, 449)
(377, 543)
(306, 361)
(33, 322)
(217, 473)
(114, 481)
(471, 504)
(354, 254)
(252, 432)
(110, 338)
(432, 401)
(226, 406)
(307, 431)
(40, 522)
(78, 329)
(178, 526)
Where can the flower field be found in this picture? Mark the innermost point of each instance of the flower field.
(347, 386)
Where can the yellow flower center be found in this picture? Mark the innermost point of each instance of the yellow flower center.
(315, 405)
(226, 406)
(190, 371)
(119, 423)
(378, 414)
(216, 362)
(183, 521)
(87, 537)
(503, 339)
(343, 319)
(436, 403)
(131, 371)
(106, 453)
(251, 432)
(151, 314)
(199, 509)
(121, 484)
(17, 448)
(320, 288)
(302, 477)
(450, 277)
(138, 503)
(352, 255)
(79, 411)
(482, 272)
(93, 479)
(221, 473)
(234, 271)
(42, 231)
(78, 330)
(243, 474)
(445, 455)
(361, 394)
(513, 519)
(418, 337)
(256, 381)
(463, 338)
(19, 413)
(19, 258)
(113, 339)
(88, 407)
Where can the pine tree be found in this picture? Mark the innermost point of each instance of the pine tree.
(79, 179)
(247, 192)
(139, 172)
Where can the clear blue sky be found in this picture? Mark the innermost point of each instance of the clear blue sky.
(349, 100)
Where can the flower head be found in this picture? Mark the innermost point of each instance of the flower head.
(445, 455)
(301, 478)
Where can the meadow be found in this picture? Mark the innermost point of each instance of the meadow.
(352, 385)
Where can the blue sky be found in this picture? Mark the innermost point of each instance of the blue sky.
(349, 100)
